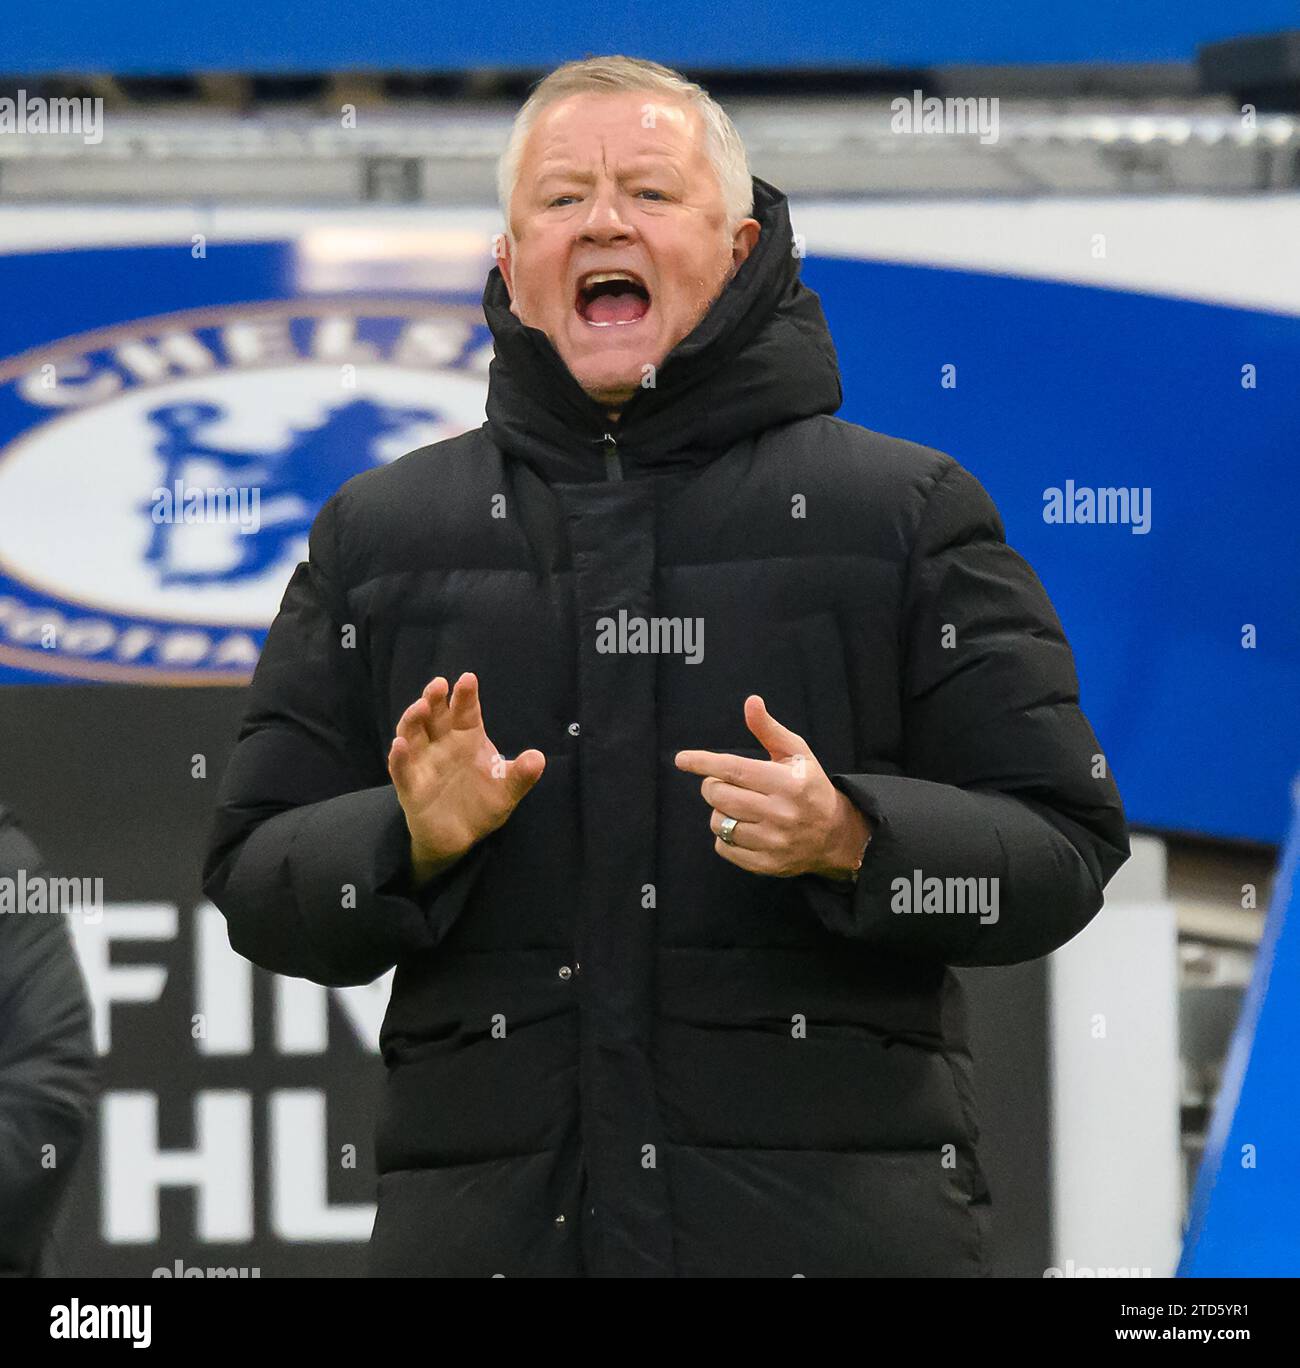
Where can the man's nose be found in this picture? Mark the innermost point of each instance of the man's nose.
(605, 221)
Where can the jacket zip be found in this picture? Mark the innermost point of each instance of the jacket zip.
(613, 461)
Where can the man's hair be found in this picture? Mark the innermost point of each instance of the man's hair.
(611, 75)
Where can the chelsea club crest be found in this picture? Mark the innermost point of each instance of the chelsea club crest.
(158, 479)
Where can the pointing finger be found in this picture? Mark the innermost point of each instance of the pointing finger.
(763, 776)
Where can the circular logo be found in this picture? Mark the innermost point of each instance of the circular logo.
(158, 479)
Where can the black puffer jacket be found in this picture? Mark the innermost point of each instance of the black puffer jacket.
(611, 1052)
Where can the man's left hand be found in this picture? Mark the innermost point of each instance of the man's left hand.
(790, 818)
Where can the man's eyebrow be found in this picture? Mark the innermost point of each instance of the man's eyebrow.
(562, 170)
(639, 165)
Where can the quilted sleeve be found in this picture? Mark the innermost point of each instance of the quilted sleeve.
(309, 855)
(995, 843)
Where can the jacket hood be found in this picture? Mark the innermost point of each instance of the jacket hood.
(761, 356)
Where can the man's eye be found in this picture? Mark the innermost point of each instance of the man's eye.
(658, 194)
(559, 198)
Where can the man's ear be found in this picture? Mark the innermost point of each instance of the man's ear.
(743, 241)
(506, 262)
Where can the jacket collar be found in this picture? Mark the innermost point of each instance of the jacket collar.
(762, 355)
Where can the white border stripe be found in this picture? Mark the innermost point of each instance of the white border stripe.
(1242, 251)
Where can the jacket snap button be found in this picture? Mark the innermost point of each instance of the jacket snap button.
(574, 729)
(559, 1220)
(565, 971)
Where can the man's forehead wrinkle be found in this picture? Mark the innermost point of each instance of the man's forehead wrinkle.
(560, 165)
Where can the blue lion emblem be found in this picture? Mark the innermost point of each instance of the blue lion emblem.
(304, 472)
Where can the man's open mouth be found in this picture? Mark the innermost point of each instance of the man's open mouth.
(609, 297)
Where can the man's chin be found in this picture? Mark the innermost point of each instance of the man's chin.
(611, 373)
(609, 393)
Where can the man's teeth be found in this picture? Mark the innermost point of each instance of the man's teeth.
(600, 277)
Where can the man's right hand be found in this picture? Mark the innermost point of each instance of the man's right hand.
(452, 783)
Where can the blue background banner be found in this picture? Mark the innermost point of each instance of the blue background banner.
(1061, 382)
(157, 37)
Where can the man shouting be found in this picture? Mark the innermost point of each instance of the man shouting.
(672, 738)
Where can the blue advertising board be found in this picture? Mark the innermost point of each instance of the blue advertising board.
(152, 36)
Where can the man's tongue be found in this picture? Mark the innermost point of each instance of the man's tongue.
(621, 306)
